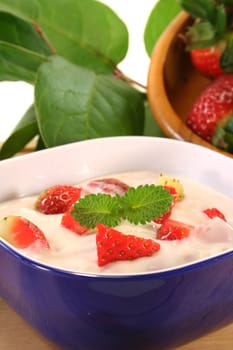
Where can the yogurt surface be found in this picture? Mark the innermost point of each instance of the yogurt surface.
(72, 252)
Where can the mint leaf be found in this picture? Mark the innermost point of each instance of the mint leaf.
(144, 203)
(138, 205)
(160, 17)
(99, 208)
(74, 104)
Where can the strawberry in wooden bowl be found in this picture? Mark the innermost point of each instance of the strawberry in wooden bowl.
(210, 38)
(194, 51)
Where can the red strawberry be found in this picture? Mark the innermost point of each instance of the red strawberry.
(213, 213)
(57, 199)
(166, 215)
(207, 60)
(172, 230)
(211, 116)
(22, 233)
(113, 245)
(109, 185)
(69, 222)
(209, 37)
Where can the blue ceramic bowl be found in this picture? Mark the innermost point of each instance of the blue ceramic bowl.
(150, 311)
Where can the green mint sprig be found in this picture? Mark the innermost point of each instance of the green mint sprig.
(138, 205)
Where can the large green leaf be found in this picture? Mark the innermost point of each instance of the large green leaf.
(24, 132)
(21, 33)
(24, 9)
(162, 14)
(87, 32)
(22, 49)
(73, 104)
(17, 63)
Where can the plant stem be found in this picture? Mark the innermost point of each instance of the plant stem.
(44, 37)
(119, 74)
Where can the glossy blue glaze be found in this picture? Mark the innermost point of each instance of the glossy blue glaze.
(151, 312)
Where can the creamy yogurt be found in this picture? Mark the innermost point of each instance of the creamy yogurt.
(70, 251)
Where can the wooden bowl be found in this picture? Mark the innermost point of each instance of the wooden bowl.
(174, 84)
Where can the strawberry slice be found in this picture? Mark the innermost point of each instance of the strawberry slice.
(113, 245)
(22, 233)
(172, 230)
(70, 223)
(109, 185)
(166, 215)
(57, 199)
(213, 213)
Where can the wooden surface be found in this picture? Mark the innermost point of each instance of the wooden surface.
(16, 334)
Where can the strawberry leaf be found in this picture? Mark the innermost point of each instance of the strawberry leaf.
(201, 35)
(226, 60)
(73, 104)
(203, 9)
(211, 24)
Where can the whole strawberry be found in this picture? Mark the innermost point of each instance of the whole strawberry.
(210, 38)
(57, 199)
(211, 116)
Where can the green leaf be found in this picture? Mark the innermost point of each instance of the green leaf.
(17, 63)
(22, 49)
(87, 33)
(202, 34)
(74, 103)
(162, 14)
(16, 31)
(203, 9)
(226, 59)
(21, 8)
(40, 144)
(24, 132)
(138, 205)
(207, 11)
(97, 208)
(144, 203)
(220, 22)
(151, 127)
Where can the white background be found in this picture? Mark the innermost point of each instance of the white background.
(16, 97)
